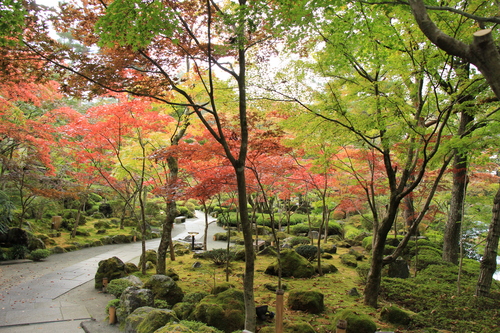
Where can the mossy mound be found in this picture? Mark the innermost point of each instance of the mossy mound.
(155, 319)
(225, 311)
(111, 268)
(150, 255)
(395, 315)
(292, 265)
(164, 288)
(309, 301)
(222, 287)
(186, 326)
(356, 323)
(147, 319)
(183, 309)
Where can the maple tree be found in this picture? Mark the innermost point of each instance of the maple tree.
(118, 134)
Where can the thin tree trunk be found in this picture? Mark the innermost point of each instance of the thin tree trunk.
(246, 227)
(166, 237)
(489, 260)
(451, 245)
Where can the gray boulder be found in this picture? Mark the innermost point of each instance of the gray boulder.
(131, 299)
(165, 288)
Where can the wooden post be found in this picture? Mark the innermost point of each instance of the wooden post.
(341, 326)
(112, 315)
(279, 310)
(105, 284)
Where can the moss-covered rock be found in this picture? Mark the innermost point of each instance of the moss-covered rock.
(135, 318)
(156, 319)
(150, 255)
(356, 323)
(165, 288)
(309, 301)
(111, 268)
(395, 315)
(225, 311)
(327, 268)
(185, 326)
(221, 287)
(349, 260)
(133, 298)
(194, 298)
(183, 309)
(292, 265)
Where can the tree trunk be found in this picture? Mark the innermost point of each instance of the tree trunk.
(166, 236)
(379, 237)
(249, 250)
(451, 245)
(489, 260)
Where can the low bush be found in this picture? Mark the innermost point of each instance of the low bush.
(40, 254)
(218, 256)
(299, 240)
(117, 286)
(310, 252)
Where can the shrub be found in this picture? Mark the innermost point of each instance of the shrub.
(310, 252)
(219, 256)
(161, 304)
(39, 254)
(117, 286)
(301, 228)
(18, 252)
(112, 303)
(395, 315)
(299, 240)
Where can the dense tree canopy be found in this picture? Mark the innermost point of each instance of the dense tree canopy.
(381, 110)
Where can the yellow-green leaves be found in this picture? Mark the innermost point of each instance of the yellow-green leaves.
(135, 23)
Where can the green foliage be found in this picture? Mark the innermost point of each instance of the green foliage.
(219, 256)
(299, 240)
(117, 286)
(39, 254)
(12, 23)
(18, 252)
(310, 252)
(159, 303)
(6, 209)
(135, 23)
(112, 303)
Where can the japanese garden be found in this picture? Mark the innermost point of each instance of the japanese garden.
(347, 149)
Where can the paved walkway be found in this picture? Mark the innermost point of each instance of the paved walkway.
(35, 297)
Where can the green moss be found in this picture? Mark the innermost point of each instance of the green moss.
(155, 319)
(395, 315)
(224, 311)
(309, 301)
(183, 309)
(349, 260)
(292, 264)
(356, 323)
(117, 286)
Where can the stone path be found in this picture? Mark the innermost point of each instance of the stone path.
(32, 294)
